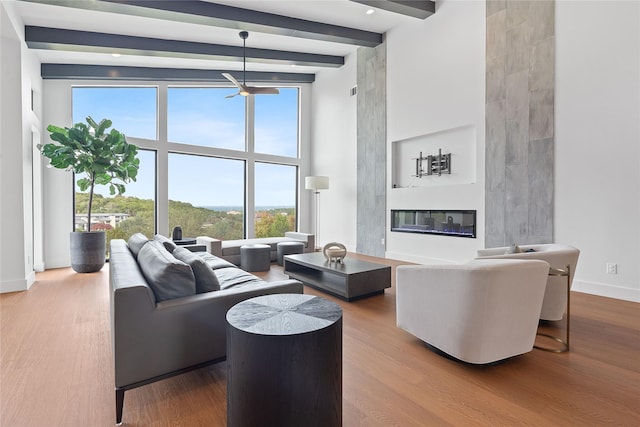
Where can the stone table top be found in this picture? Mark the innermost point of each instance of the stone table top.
(283, 314)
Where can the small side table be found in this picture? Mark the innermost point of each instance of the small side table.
(284, 362)
(561, 272)
(288, 248)
(255, 257)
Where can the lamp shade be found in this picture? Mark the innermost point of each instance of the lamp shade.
(316, 182)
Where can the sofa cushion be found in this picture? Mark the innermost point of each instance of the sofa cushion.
(166, 242)
(235, 277)
(206, 280)
(168, 277)
(136, 242)
(213, 261)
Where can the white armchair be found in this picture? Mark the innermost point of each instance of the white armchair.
(479, 312)
(558, 256)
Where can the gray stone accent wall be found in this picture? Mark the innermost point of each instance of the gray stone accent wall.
(372, 150)
(520, 89)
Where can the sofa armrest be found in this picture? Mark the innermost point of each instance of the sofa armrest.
(308, 239)
(213, 246)
(177, 333)
(195, 248)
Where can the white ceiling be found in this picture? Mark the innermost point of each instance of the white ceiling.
(337, 12)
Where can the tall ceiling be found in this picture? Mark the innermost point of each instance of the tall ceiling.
(285, 36)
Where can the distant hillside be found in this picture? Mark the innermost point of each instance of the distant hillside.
(195, 221)
(241, 209)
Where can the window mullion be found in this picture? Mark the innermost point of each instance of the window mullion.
(250, 168)
(162, 176)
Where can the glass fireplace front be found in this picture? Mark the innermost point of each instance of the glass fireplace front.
(443, 222)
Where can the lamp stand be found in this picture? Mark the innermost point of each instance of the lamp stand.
(316, 183)
(317, 220)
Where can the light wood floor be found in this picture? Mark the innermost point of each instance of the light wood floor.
(56, 369)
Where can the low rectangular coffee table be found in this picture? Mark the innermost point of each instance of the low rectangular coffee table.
(352, 279)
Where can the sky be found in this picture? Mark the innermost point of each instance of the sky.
(202, 116)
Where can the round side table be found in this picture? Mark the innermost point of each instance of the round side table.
(284, 362)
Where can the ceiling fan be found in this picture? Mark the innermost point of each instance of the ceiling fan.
(243, 89)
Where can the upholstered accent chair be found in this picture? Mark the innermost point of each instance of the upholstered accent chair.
(558, 256)
(480, 312)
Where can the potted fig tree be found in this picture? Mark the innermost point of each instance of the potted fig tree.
(102, 157)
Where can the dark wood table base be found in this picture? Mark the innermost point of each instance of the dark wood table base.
(284, 362)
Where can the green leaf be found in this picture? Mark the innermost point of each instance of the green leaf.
(84, 184)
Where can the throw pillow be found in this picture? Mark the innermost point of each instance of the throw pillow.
(206, 279)
(136, 242)
(168, 277)
(513, 249)
(166, 242)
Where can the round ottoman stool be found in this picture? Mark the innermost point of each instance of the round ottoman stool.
(255, 257)
(288, 248)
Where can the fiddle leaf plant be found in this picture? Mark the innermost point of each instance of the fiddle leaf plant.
(104, 157)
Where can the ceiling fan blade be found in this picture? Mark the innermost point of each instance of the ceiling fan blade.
(262, 90)
(232, 79)
(232, 95)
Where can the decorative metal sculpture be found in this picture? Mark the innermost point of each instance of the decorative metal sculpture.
(334, 251)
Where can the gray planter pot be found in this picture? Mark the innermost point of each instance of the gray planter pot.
(88, 251)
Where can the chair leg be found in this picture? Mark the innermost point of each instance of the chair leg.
(119, 405)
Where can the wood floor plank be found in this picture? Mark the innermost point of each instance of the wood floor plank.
(56, 368)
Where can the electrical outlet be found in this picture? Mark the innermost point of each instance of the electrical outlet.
(612, 268)
(382, 241)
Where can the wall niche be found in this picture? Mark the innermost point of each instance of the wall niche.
(460, 142)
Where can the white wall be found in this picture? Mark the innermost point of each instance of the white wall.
(597, 193)
(435, 87)
(334, 152)
(20, 74)
(58, 184)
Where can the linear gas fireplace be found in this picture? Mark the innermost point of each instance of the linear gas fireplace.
(445, 222)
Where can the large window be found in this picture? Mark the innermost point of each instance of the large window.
(276, 123)
(204, 154)
(131, 109)
(206, 196)
(275, 199)
(204, 116)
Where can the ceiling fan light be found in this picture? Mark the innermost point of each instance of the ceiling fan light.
(244, 93)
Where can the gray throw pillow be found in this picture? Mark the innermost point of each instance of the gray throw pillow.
(167, 276)
(206, 279)
(136, 242)
(166, 242)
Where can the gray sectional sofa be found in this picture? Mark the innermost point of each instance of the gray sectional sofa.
(230, 249)
(165, 319)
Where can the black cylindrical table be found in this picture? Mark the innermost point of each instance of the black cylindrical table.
(284, 362)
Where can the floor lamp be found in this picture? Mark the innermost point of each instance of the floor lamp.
(317, 183)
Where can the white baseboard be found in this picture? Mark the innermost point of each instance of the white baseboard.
(18, 285)
(603, 290)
